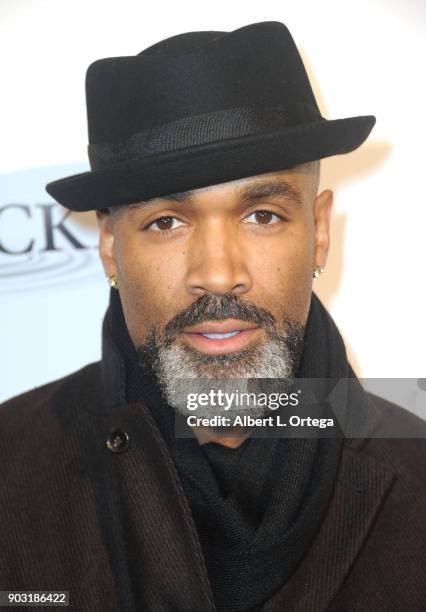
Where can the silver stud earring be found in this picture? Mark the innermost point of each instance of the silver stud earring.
(112, 280)
(318, 271)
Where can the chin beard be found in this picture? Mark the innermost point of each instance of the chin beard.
(181, 369)
(276, 357)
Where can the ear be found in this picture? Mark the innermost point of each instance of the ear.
(322, 215)
(106, 241)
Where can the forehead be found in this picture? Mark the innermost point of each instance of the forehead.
(287, 183)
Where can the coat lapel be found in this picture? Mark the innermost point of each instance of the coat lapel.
(145, 521)
(162, 517)
(361, 485)
(171, 563)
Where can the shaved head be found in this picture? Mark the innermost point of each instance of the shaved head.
(310, 171)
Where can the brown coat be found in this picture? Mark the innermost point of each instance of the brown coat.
(116, 531)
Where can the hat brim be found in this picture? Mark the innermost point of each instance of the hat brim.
(210, 164)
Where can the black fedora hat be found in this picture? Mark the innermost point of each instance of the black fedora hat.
(199, 109)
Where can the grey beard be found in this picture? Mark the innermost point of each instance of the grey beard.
(181, 370)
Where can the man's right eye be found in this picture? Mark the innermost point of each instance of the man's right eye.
(163, 224)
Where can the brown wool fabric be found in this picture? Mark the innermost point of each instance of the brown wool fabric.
(254, 519)
(116, 529)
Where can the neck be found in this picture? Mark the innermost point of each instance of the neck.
(234, 439)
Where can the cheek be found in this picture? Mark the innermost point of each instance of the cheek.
(282, 273)
(148, 287)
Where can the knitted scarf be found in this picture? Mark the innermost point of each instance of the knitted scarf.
(257, 507)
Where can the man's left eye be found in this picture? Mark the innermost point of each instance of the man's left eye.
(262, 217)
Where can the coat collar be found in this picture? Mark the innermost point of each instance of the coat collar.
(361, 485)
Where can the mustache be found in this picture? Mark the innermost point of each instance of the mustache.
(209, 307)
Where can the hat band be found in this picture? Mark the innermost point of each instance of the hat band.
(205, 128)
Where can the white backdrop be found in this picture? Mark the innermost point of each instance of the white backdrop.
(363, 57)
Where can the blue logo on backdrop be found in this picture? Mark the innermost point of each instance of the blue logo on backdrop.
(41, 242)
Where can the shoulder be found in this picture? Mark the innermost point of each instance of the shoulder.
(46, 439)
(76, 387)
(394, 416)
(398, 441)
(41, 430)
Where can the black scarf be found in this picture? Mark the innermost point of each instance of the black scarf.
(257, 507)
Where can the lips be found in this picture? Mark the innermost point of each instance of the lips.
(219, 337)
(220, 327)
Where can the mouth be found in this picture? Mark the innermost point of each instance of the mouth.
(221, 337)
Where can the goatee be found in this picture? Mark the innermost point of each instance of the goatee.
(173, 363)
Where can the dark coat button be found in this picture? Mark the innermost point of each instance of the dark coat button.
(118, 441)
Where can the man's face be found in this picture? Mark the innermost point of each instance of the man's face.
(217, 275)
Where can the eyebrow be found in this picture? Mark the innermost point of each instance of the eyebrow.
(248, 194)
(184, 196)
(271, 189)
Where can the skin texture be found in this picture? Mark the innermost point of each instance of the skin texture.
(219, 242)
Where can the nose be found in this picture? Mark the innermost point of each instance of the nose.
(216, 263)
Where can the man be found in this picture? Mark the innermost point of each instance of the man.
(204, 155)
